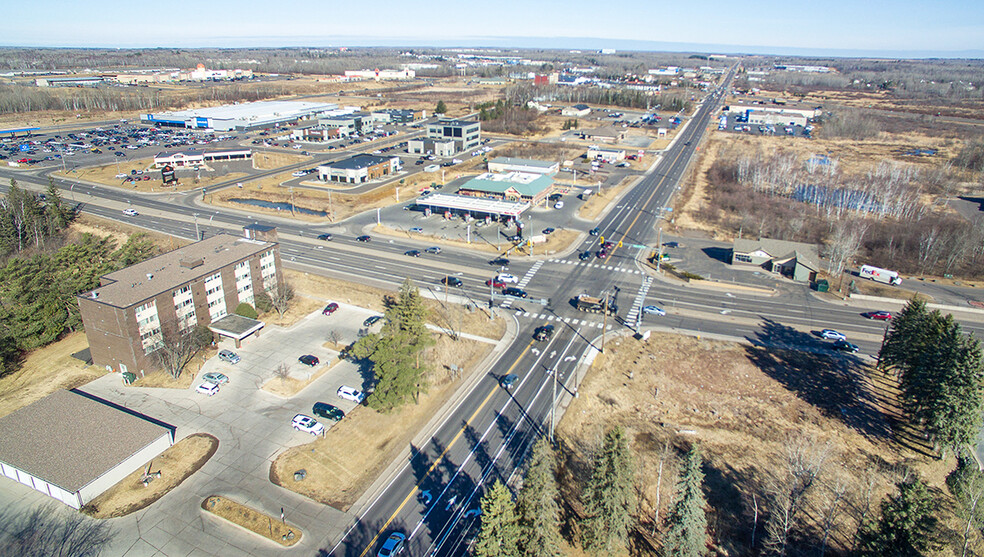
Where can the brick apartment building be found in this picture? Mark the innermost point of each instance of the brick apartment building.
(127, 316)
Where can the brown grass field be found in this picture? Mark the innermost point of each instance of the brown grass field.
(176, 464)
(597, 203)
(253, 520)
(263, 160)
(345, 462)
(744, 407)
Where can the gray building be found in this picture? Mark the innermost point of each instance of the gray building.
(348, 124)
(465, 135)
(72, 446)
(793, 260)
(359, 169)
(431, 147)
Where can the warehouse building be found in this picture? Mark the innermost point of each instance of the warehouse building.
(128, 316)
(804, 111)
(359, 169)
(516, 187)
(604, 134)
(577, 111)
(611, 156)
(528, 166)
(68, 81)
(348, 124)
(780, 118)
(380, 75)
(73, 446)
(242, 117)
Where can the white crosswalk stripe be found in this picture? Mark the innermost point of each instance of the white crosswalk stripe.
(635, 315)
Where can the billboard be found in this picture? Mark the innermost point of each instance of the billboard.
(167, 175)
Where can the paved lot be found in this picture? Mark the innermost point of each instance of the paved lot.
(252, 426)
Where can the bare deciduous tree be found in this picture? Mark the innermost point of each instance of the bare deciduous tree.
(281, 298)
(177, 349)
(804, 460)
(831, 509)
(844, 243)
(282, 371)
(51, 531)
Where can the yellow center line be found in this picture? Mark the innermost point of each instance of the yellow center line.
(440, 458)
(639, 213)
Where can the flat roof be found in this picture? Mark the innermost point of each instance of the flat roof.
(525, 183)
(524, 162)
(69, 438)
(474, 204)
(260, 110)
(236, 326)
(358, 162)
(454, 123)
(145, 280)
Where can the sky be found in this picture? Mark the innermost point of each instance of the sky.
(951, 28)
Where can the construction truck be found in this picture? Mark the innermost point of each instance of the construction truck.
(591, 304)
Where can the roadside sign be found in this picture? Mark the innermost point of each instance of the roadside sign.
(24, 147)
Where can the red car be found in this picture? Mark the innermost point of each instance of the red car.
(879, 315)
(607, 246)
(330, 309)
(495, 283)
(602, 254)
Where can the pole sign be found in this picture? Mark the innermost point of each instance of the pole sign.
(167, 174)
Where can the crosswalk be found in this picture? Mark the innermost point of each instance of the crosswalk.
(569, 320)
(592, 265)
(525, 280)
(635, 312)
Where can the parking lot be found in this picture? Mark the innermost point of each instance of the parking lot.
(738, 124)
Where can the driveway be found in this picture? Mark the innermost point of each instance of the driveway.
(252, 426)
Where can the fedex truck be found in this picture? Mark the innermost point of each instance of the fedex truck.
(880, 275)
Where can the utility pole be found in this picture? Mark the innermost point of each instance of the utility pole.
(378, 222)
(604, 323)
(553, 404)
(659, 247)
(291, 189)
(331, 212)
(198, 235)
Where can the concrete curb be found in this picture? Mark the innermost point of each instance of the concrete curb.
(465, 388)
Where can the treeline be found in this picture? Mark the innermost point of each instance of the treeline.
(41, 275)
(20, 98)
(777, 196)
(623, 97)
(497, 117)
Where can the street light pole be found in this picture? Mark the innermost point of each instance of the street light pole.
(604, 322)
(198, 235)
(659, 247)
(553, 404)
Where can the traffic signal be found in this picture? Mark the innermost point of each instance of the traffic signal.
(620, 243)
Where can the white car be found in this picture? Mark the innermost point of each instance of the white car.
(307, 424)
(831, 334)
(507, 278)
(654, 310)
(207, 388)
(350, 393)
(298, 173)
(559, 205)
(130, 212)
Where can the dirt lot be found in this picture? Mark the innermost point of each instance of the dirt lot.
(343, 463)
(744, 406)
(175, 465)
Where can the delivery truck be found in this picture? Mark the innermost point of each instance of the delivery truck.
(880, 275)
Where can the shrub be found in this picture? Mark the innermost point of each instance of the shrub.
(246, 310)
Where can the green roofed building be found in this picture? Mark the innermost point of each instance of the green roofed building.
(510, 186)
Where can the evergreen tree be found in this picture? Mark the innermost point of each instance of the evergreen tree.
(907, 525)
(499, 531)
(907, 332)
(441, 108)
(609, 498)
(687, 536)
(539, 513)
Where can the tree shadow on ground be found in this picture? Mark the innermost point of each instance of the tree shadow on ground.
(835, 384)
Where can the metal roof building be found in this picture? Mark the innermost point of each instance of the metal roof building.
(73, 446)
(529, 166)
(243, 116)
(511, 186)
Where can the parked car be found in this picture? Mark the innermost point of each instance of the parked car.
(351, 394)
(559, 205)
(500, 262)
(543, 333)
(207, 388)
(371, 320)
(331, 308)
(228, 356)
(307, 424)
(130, 212)
(364, 238)
(216, 377)
(846, 346)
(451, 281)
(433, 250)
(513, 291)
(393, 545)
(831, 334)
(309, 360)
(327, 411)
(325, 237)
(653, 310)
(547, 231)
(877, 315)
